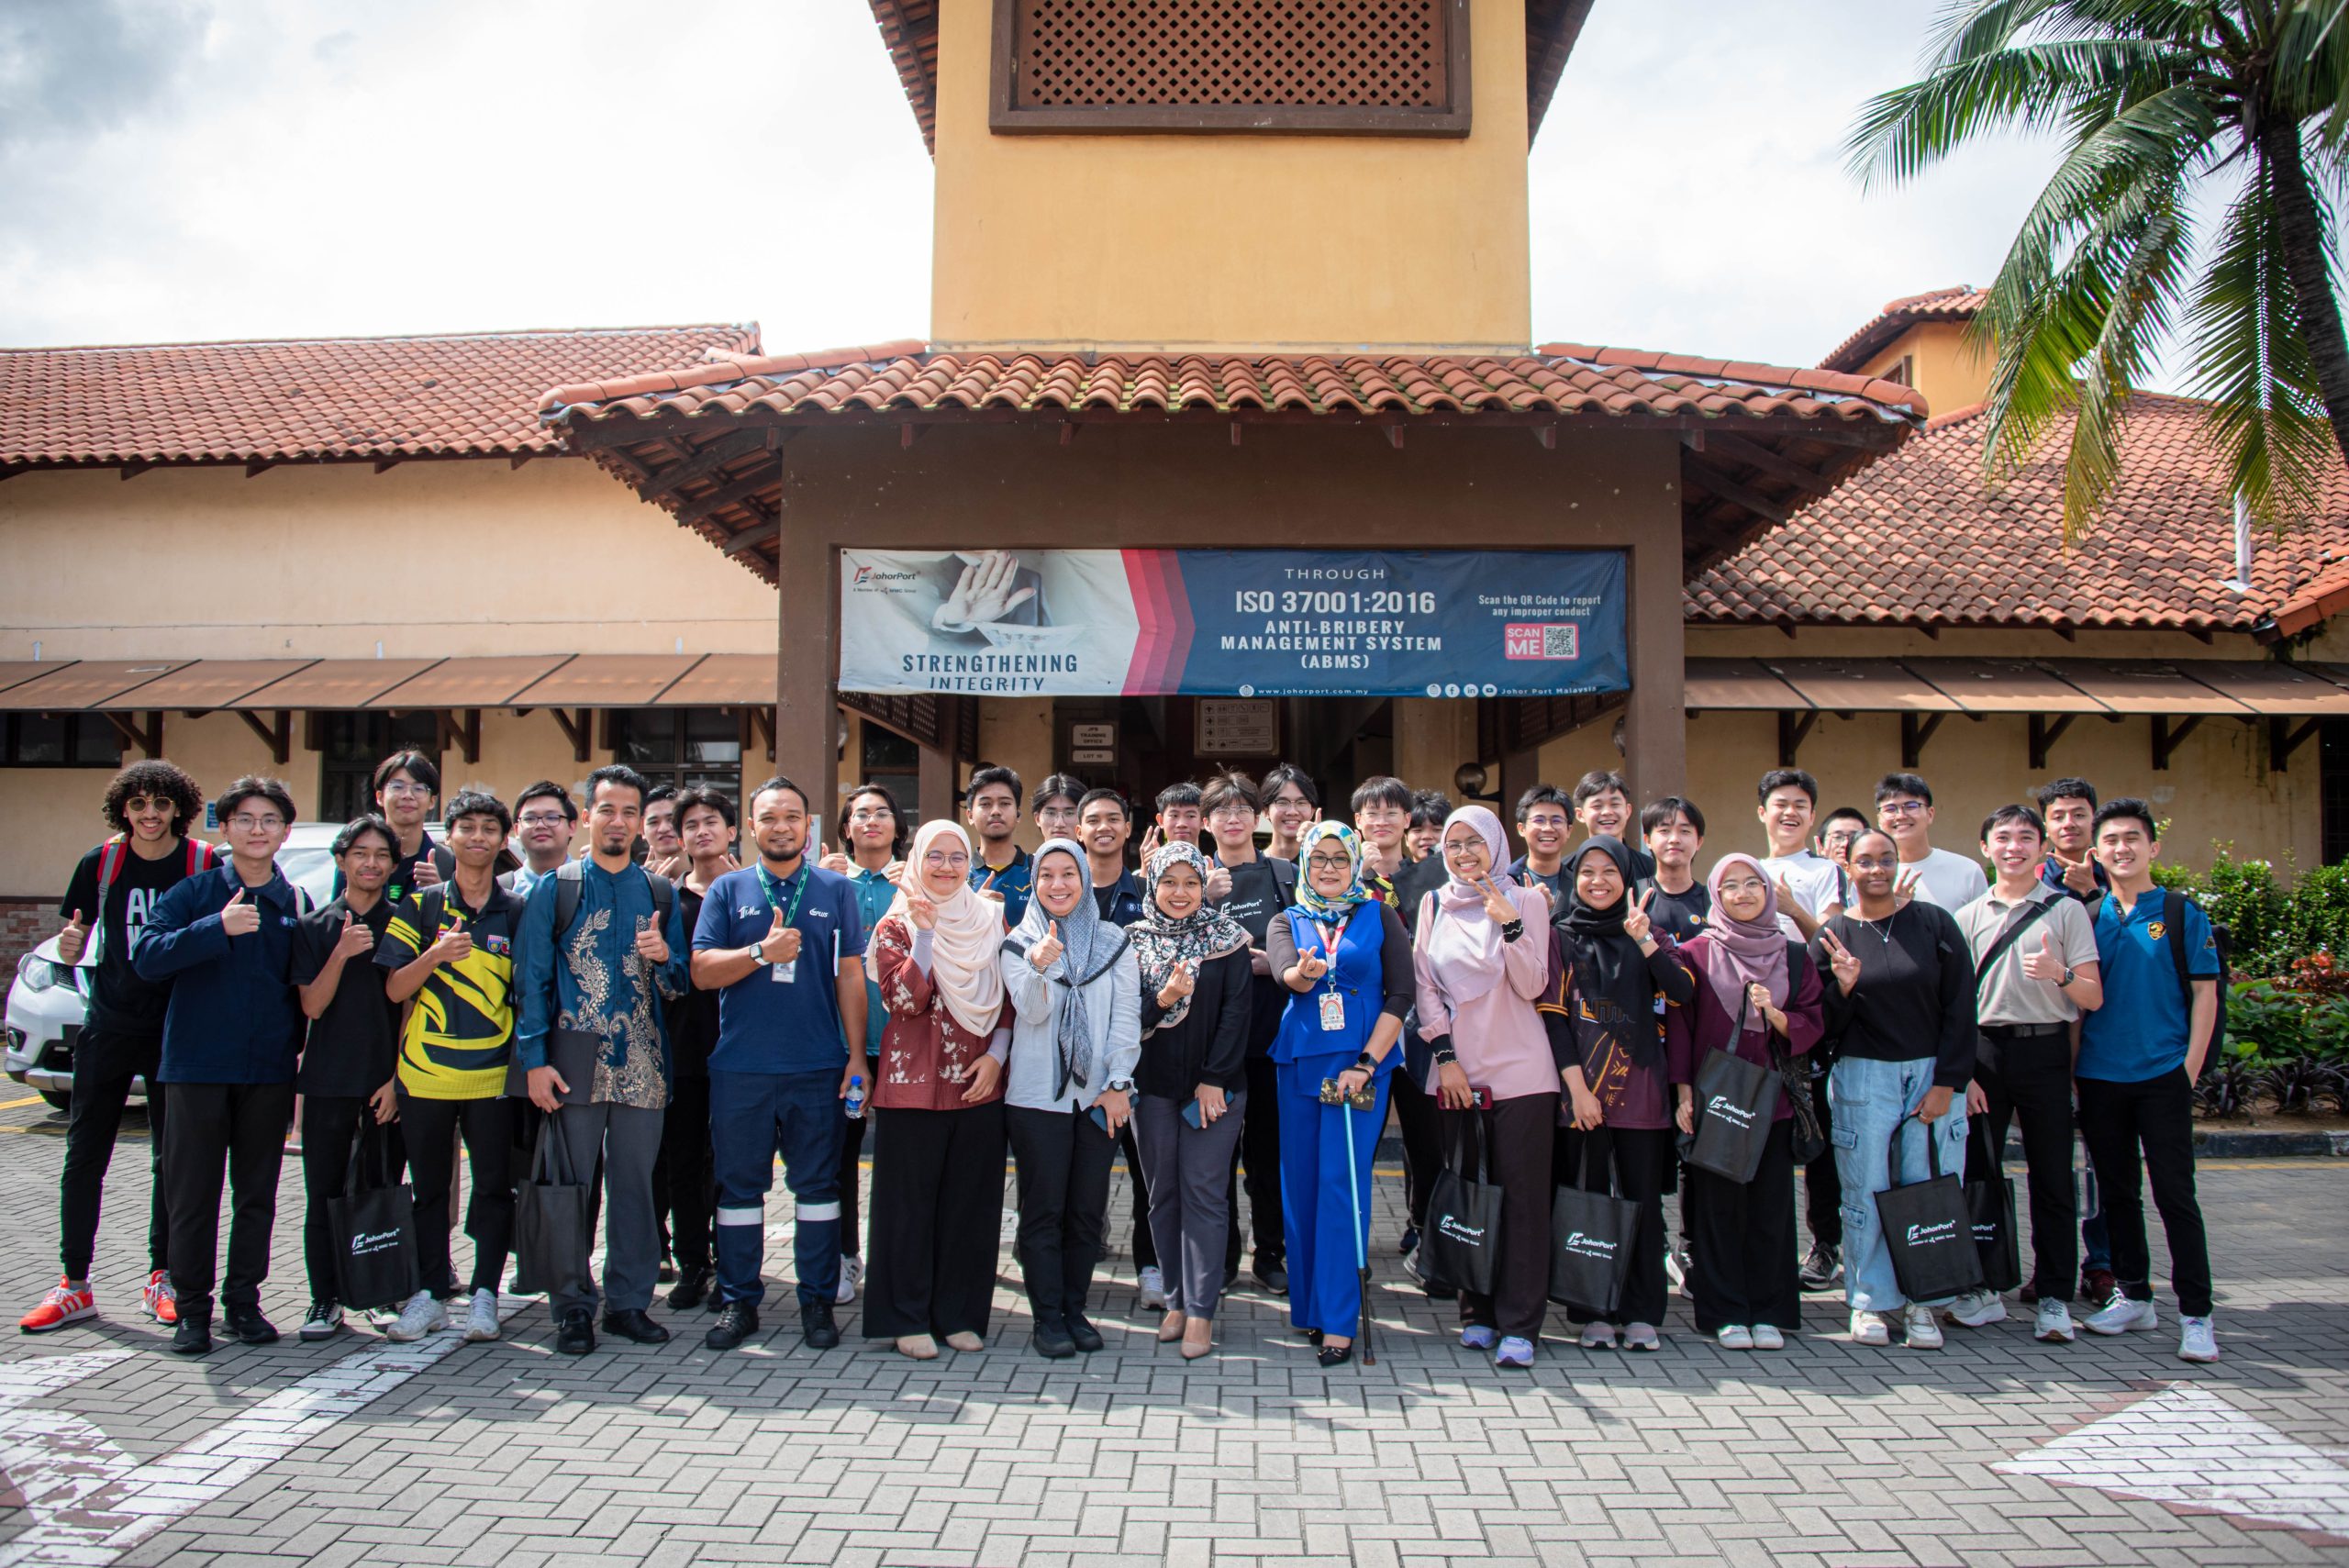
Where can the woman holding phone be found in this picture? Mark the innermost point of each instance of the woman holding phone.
(1757, 999)
(1347, 964)
(1193, 1076)
(936, 957)
(1075, 996)
(1481, 957)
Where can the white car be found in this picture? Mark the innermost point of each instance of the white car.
(49, 1000)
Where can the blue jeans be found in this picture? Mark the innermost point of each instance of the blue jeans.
(753, 1115)
(1871, 1100)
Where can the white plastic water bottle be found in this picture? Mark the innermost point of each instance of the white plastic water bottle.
(854, 1104)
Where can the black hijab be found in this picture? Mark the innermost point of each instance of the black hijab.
(1611, 971)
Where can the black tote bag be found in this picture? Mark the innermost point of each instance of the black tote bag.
(1736, 1102)
(1929, 1229)
(1463, 1237)
(374, 1224)
(1990, 1204)
(552, 1218)
(1590, 1244)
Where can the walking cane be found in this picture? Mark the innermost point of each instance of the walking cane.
(1361, 1261)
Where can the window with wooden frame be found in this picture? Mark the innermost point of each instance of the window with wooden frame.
(59, 740)
(1327, 67)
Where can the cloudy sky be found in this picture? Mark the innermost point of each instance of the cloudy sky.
(176, 169)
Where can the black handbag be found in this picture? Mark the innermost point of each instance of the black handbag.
(1590, 1244)
(374, 1223)
(553, 1218)
(1461, 1242)
(1990, 1204)
(1736, 1102)
(1810, 1139)
(1928, 1228)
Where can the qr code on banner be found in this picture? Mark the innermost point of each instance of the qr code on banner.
(1550, 639)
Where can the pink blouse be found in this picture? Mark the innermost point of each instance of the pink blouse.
(1498, 1037)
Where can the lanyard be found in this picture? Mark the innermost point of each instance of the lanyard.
(769, 883)
(1330, 938)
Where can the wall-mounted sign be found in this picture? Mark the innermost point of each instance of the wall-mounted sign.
(1083, 754)
(1226, 622)
(1093, 735)
(1239, 727)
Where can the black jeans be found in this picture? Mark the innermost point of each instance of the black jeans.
(687, 1190)
(1062, 1162)
(2028, 1080)
(1640, 1160)
(1419, 1119)
(1259, 1156)
(431, 1129)
(1742, 1236)
(1822, 1185)
(2155, 1115)
(235, 1131)
(330, 1127)
(1517, 1134)
(104, 1066)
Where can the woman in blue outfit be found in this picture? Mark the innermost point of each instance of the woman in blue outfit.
(1346, 962)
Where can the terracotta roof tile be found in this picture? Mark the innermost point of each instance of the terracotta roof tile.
(1957, 303)
(1920, 539)
(313, 399)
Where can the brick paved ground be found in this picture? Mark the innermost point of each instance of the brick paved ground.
(1827, 1454)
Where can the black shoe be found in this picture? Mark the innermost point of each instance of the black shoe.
(736, 1321)
(193, 1337)
(692, 1285)
(817, 1330)
(1313, 1336)
(1819, 1267)
(576, 1335)
(1272, 1275)
(1083, 1334)
(1334, 1355)
(1051, 1340)
(248, 1326)
(635, 1324)
(1411, 1241)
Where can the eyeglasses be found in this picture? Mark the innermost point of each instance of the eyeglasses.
(1246, 813)
(1462, 849)
(245, 823)
(941, 860)
(1328, 863)
(876, 814)
(541, 820)
(1900, 808)
(401, 789)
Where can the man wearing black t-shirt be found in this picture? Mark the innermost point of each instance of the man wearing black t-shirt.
(1674, 829)
(346, 1074)
(406, 784)
(149, 806)
(1252, 888)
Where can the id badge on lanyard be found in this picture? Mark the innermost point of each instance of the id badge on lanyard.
(786, 972)
(1333, 1005)
(783, 972)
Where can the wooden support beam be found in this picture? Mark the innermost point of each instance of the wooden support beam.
(1916, 729)
(705, 463)
(580, 731)
(1715, 482)
(2167, 740)
(751, 538)
(462, 731)
(1753, 454)
(1794, 728)
(763, 721)
(2283, 738)
(2046, 730)
(727, 495)
(148, 736)
(277, 735)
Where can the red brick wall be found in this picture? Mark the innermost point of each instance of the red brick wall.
(23, 924)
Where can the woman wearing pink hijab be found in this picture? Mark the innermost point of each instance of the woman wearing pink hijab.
(1481, 956)
(1758, 992)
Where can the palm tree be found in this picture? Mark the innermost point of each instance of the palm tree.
(2155, 101)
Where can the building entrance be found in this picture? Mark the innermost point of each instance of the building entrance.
(1139, 745)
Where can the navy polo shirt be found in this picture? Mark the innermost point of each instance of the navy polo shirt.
(2141, 1030)
(765, 1025)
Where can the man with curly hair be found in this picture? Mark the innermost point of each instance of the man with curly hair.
(149, 806)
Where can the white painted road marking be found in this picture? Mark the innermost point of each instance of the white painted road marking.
(2188, 1447)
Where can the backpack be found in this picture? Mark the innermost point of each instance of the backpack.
(200, 856)
(2173, 924)
(570, 884)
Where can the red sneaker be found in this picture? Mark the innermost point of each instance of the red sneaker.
(161, 1305)
(62, 1306)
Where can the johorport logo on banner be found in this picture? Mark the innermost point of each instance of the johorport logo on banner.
(1250, 622)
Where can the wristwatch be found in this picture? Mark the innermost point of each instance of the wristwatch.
(2068, 973)
(1121, 1085)
(756, 952)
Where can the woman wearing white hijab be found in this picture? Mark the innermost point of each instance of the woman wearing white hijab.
(1076, 998)
(937, 1205)
(1481, 957)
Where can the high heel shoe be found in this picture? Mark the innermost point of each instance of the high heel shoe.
(1193, 1349)
(1170, 1327)
(1334, 1355)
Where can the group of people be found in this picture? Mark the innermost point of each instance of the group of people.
(659, 1021)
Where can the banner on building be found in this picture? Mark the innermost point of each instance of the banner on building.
(1244, 622)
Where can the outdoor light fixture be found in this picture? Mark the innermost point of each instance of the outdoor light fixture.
(1468, 782)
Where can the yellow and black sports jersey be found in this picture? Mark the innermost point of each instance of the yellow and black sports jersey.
(459, 1032)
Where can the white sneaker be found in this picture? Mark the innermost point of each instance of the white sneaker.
(1766, 1337)
(851, 1280)
(1871, 1328)
(1923, 1332)
(1598, 1336)
(2053, 1325)
(2123, 1315)
(1642, 1336)
(1735, 1337)
(423, 1315)
(481, 1318)
(1978, 1308)
(1154, 1288)
(1479, 1336)
(2197, 1341)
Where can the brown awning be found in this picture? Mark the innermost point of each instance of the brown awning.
(608, 680)
(2283, 691)
(2004, 685)
(17, 672)
(1860, 686)
(1736, 685)
(725, 680)
(85, 683)
(471, 683)
(2148, 686)
(209, 683)
(334, 683)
